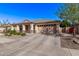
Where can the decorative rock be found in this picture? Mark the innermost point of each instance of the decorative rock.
(76, 40)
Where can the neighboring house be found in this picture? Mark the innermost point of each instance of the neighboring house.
(3, 28)
(36, 26)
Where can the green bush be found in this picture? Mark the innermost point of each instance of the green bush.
(10, 32)
(7, 34)
(13, 32)
(18, 33)
(23, 34)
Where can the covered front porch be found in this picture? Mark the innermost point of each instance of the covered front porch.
(21, 27)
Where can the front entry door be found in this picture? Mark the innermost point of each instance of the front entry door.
(27, 27)
(20, 27)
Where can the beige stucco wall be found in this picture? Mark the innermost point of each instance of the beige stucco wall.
(36, 29)
(23, 26)
(2, 29)
(32, 27)
(16, 27)
(39, 29)
(12, 28)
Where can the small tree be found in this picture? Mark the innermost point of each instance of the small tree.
(64, 24)
(5, 23)
(69, 12)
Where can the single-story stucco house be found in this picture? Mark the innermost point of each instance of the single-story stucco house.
(36, 26)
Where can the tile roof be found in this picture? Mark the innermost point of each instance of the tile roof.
(42, 20)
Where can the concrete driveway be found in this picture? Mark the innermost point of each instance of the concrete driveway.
(35, 45)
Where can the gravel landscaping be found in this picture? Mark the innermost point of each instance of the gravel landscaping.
(67, 42)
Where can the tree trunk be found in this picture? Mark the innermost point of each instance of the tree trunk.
(5, 29)
(65, 30)
(74, 31)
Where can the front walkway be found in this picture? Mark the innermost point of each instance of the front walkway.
(36, 45)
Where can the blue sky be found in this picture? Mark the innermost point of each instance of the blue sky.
(21, 11)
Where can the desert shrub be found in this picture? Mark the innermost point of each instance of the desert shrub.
(8, 34)
(18, 33)
(23, 34)
(7, 31)
(14, 32)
